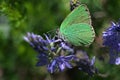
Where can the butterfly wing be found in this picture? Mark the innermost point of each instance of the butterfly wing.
(79, 34)
(78, 15)
(76, 28)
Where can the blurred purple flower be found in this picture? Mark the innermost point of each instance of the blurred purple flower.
(117, 62)
(87, 66)
(111, 39)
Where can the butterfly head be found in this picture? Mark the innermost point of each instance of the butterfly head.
(74, 1)
(74, 4)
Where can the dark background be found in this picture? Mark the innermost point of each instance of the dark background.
(17, 17)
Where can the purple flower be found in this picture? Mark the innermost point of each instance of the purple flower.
(61, 63)
(117, 61)
(86, 65)
(58, 55)
(52, 52)
(42, 59)
(111, 39)
(37, 42)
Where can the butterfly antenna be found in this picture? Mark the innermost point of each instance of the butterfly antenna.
(52, 32)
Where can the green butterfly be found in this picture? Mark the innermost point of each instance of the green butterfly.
(76, 28)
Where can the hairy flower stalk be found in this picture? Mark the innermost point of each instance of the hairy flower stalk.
(57, 54)
(111, 39)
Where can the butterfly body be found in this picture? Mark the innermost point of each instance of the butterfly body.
(76, 28)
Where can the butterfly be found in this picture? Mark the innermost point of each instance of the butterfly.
(76, 28)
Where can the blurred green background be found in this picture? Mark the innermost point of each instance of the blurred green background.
(17, 17)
